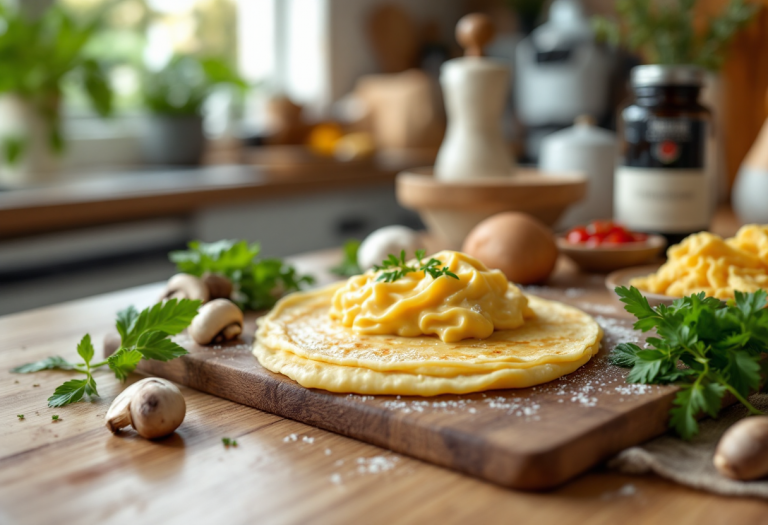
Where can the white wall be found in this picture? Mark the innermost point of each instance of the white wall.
(320, 47)
(351, 52)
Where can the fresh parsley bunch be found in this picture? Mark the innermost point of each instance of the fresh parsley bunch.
(258, 283)
(705, 347)
(349, 266)
(144, 335)
(397, 268)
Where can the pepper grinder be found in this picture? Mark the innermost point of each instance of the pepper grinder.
(475, 92)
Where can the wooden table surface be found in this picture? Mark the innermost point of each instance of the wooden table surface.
(74, 471)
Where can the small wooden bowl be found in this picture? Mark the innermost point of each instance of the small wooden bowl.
(610, 257)
(451, 209)
(622, 278)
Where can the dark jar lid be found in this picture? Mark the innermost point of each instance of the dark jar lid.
(660, 75)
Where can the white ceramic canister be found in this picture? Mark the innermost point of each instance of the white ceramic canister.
(590, 150)
(750, 191)
(475, 91)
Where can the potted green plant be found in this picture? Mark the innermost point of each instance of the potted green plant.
(37, 55)
(666, 32)
(174, 97)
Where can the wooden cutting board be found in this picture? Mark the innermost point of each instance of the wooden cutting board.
(533, 438)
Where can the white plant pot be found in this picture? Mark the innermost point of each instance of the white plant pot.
(173, 140)
(20, 121)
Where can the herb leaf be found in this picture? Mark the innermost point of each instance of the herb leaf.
(349, 265)
(170, 317)
(637, 304)
(70, 392)
(705, 347)
(397, 268)
(744, 371)
(125, 321)
(258, 283)
(85, 349)
(49, 363)
(156, 345)
(265, 281)
(624, 355)
(123, 362)
(144, 335)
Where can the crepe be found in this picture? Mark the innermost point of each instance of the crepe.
(300, 340)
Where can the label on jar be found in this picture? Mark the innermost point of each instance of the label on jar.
(662, 200)
(665, 142)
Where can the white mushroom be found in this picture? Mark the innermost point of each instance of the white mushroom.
(386, 240)
(153, 406)
(186, 286)
(219, 286)
(217, 321)
(742, 452)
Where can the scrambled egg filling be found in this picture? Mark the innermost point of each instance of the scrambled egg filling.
(472, 306)
(718, 267)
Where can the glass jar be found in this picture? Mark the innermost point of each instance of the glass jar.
(661, 181)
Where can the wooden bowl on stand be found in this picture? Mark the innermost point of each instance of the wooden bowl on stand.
(451, 209)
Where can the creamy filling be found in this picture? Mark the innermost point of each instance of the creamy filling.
(472, 306)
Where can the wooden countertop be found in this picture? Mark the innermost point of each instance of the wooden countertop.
(74, 470)
(156, 193)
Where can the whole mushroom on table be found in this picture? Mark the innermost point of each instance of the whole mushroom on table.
(154, 407)
(217, 321)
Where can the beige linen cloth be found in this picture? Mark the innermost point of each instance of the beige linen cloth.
(690, 462)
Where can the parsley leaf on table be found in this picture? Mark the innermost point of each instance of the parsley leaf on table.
(705, 347)
(169, 317)
(123, 362)
(258, 283)
(143, 335)
(72, 391)
(49, 363)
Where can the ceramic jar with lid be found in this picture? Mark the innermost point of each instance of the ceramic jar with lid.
(588, 149)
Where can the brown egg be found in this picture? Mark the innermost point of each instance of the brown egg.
(515, 243)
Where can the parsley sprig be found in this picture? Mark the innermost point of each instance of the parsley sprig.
(397, 268)
(143, 335)
(258, 283)
(705, 347)
(349, 265)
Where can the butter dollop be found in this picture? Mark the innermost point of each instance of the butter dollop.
(472, 306)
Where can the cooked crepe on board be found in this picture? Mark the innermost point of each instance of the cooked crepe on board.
(299, 339)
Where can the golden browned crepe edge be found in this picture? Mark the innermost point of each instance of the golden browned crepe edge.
(446, 368)
(340, 379)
